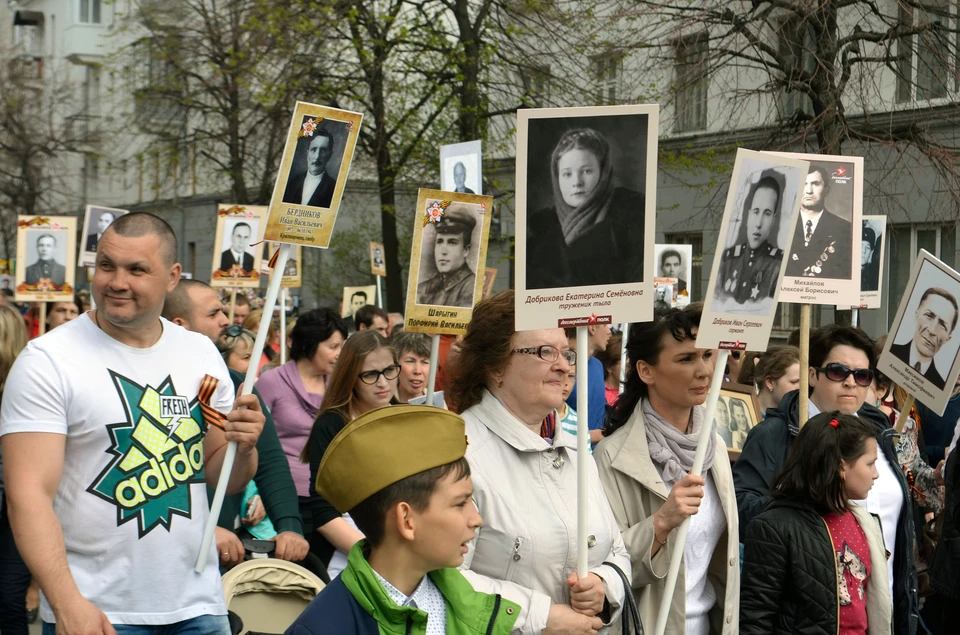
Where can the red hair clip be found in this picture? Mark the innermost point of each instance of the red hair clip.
(834, 423)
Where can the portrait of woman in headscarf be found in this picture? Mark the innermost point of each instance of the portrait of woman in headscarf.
(593, 232)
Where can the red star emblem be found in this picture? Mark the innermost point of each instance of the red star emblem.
(593, 318)
(841, 171)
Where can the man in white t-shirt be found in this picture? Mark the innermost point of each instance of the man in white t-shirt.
(112, 425)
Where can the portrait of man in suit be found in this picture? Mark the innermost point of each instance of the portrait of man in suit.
(314, 186)
(237, 253)
(103, 221)
(934, 322)
(671, 266)
(823, 240)
(460, 178)
(46, 265)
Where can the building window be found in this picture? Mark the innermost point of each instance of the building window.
(695, 240)
(536, 85)
(925, 69)
(692, 82)
(797, 47)
(906, 241)
(606, 72)
(89, 11)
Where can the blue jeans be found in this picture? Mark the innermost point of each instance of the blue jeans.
(201, 625)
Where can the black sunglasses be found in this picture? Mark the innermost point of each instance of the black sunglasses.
(373, 376)
(839, 372)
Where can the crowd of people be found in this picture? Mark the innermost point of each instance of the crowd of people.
(460, 519)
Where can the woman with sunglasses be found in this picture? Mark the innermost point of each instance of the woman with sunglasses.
(509, 385)
(364, 378)
(842, 359)
(644, 462)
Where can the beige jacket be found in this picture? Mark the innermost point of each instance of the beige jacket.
(635, 491)
(526, 491)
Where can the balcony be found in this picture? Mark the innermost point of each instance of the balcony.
(85, 43)
(27, 67)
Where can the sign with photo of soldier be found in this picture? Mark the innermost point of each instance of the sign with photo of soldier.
(236, 261)
(47, 247)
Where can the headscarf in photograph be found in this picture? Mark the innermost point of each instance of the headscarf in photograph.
(576, 221)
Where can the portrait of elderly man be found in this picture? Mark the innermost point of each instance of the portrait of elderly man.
(822, 240)
(46, 265)
(237, 253)
(460, 179)
(314, 186)
(671, 266)
(455, 283)
(103, 221)
(935, 320)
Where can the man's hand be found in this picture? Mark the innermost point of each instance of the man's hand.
(291, 546)
(586, 595)
(80, 617)
(229, 548)
(245, 422)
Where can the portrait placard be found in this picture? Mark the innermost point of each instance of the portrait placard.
(873, 244)
(96, 219)
(757, 226)
(921, 355)
(461, 167)
(378, 265)
(738, 410)
(47, 245)
(585, 209)
(821, 266)
(313, 172)
(356, 297)
(489, 279)
(236, 262)
(7, 281)
(450, 234)
(675, 261)
(665, 293)
(292, 277)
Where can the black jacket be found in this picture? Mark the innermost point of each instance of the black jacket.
(764, 453)
(945, 570)
(789, 579)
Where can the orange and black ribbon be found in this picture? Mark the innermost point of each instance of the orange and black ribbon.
(211, 416)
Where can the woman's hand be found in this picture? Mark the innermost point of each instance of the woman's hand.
(682, 502)
(255, 512)
(586, 595)
(563, 620)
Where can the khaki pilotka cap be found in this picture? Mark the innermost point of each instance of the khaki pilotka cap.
(387, 445)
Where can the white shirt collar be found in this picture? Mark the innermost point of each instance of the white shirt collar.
(915, 357)
(237, 255)
(810, 216)
(426, 597)
(310, 185)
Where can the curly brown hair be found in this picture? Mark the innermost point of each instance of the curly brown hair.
(485, 350)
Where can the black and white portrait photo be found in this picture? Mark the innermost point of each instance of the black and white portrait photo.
(460, 168)
(378, 266)
(46, 255)
(675, 261)
(316, 164)
(238, 236)
(449, 252)
(355, 298)
(585, 201)
(924, 340)
(756, 231)
(871, 252)
(96, 221)
(823, 240)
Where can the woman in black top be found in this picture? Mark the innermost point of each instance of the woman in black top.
(364, 378)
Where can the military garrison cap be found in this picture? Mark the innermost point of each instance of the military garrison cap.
(457, 219)
(387, 445)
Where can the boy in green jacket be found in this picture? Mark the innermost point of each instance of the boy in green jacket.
(401, 473)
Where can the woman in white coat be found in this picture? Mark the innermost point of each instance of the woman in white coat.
(651, 438)
(507, 386)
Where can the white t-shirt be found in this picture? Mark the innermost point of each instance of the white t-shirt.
(132, 500)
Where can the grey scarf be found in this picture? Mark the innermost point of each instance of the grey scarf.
(671, 450)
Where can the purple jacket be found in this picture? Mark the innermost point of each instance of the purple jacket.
(293, 410)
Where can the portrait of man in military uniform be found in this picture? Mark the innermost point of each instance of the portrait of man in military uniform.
(449, 245)
(823, 240)
(750, 267)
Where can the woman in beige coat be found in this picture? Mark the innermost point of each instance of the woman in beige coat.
(508, 386)
(644, 463)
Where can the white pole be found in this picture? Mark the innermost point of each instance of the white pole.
(283, 325)
(379, 293)
(681, 538)
(583, 451)
(231, 453)
(855, 318)
(625, 330)
(434, 357)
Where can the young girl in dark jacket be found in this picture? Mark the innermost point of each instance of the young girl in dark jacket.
(814, 562)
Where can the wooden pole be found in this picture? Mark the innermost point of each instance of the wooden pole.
(905, 413)
(233, 304)
(434, 358)
(283, 326)
(231, 452)
(583, 451)
(706, 429)
(804, 363)
(42, 326)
